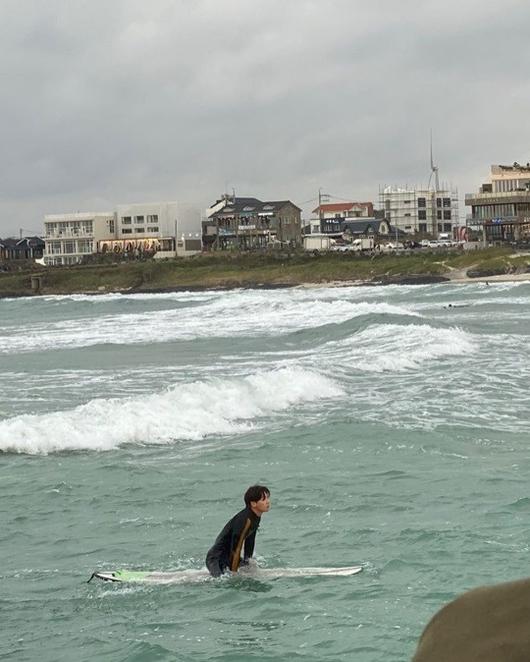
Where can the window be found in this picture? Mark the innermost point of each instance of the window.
(138, 219)
(69, 247)
(438, 202)
(153, 218)
(439, 227)
(422, 227)
(126, 231)
(406, 214)
(447, 214)
(422, 202)
(138, 230)
(422, 214)
(439, 214)
(407, 202)
(152, 229)
(84, 246)
(447, 227)
(447, 202)
(126, 220)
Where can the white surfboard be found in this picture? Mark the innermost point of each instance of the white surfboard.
(253, 572)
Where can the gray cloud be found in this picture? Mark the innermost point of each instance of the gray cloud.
(123, 101)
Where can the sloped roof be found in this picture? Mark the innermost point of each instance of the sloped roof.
(341, 206)
(361, 226)
(251, 205)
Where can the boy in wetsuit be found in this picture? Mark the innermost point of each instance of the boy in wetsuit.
(241, 529)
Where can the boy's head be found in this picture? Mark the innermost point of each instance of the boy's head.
(255, 494)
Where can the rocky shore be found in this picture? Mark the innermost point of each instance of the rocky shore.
(267, 272)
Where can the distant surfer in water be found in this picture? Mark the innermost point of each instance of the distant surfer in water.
(225, 555)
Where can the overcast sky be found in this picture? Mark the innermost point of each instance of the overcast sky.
(115, 101)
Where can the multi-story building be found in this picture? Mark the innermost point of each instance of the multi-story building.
(143, 228)
(164, 229)
(501, 208)
(420, 211)
(70, 237)
(245, 223)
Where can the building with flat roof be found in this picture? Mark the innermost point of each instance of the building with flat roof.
(161, 229)
(420, 211)
(501, 208)
(69, 238)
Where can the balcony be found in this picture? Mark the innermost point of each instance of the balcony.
(498, 196)
(68, 234)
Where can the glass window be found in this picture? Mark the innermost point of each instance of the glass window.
(126, 220)
(138, 230)
(152, 229)
(138, 219)
(126, 231)
(447, 214)
(422, 227)
(447, 202)
(438, 202)
(422, 214)
(439, 214)
(422, 202)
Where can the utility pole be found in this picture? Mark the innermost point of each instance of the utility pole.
(322, 197)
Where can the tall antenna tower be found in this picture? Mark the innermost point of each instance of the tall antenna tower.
(434, 171)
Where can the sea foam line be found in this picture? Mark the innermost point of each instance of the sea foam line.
(186, 412)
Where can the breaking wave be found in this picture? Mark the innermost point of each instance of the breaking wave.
(186, 412)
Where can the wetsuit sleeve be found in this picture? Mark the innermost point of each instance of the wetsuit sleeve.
(239, 534)
(249, 545)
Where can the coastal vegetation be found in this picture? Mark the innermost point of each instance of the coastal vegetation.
(228, 270)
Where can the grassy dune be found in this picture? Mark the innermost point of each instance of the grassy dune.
(227, 270)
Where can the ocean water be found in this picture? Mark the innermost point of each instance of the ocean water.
(390, 423)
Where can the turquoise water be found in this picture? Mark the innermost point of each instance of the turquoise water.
(391, 428)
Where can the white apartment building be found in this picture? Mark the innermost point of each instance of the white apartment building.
(69, 237)
(419, 210)
(162, 229)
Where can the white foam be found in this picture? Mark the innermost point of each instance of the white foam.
(189, 411)
(397, 348)
(230, 314)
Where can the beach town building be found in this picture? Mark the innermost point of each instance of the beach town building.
(71, 237)
(24, 248)
(160, 229)
(501, 208)
(327, 217)
(247, 223)
(420, 211)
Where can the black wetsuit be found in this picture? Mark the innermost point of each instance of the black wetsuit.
(226, 551)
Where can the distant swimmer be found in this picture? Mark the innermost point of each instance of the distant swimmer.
(239, 533)
(457, 305)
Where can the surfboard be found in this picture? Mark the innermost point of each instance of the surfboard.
(185, 576)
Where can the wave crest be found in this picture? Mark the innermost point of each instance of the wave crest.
(186, 412)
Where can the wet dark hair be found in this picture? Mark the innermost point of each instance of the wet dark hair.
(256, 493)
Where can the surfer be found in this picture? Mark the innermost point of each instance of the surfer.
(225, 554)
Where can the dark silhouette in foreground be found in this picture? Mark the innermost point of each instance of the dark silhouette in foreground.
(487, 624)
